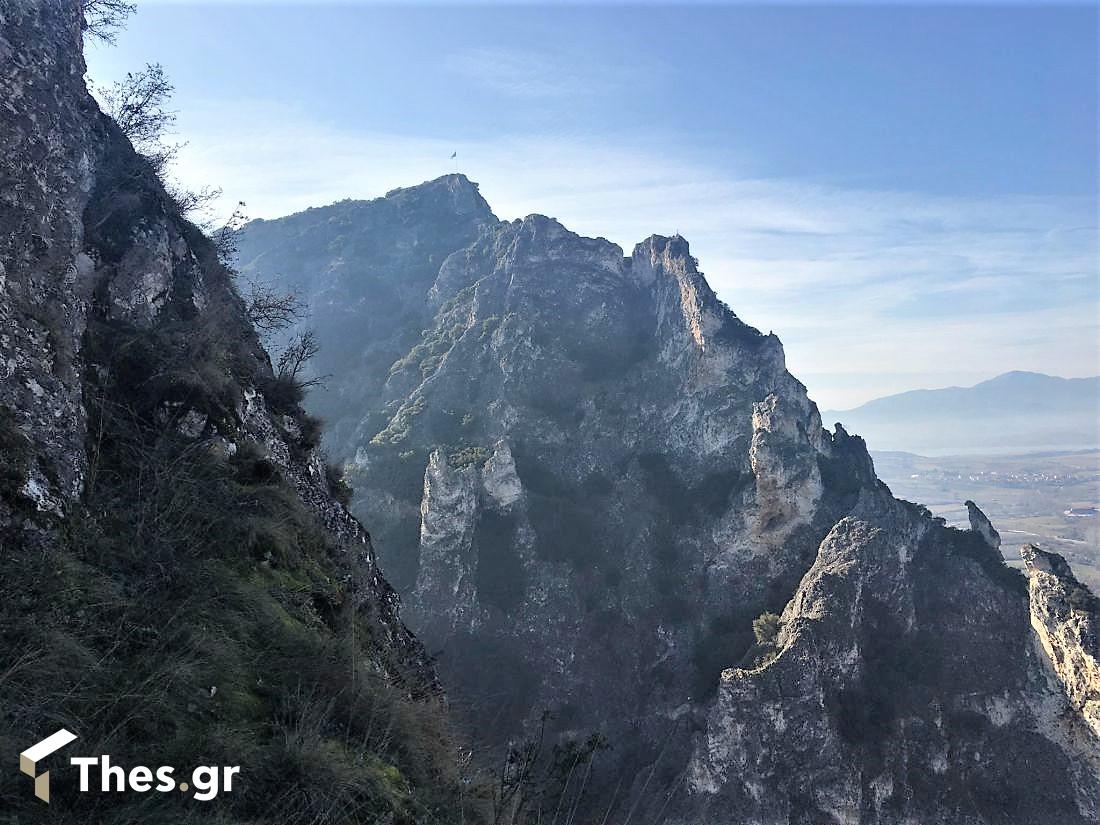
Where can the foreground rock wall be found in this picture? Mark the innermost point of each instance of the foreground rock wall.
(178, 577)
(45, 276)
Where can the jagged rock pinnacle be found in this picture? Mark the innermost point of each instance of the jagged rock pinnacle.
(981, 525)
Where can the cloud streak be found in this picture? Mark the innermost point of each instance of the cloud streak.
(525, 74)
(871, 291)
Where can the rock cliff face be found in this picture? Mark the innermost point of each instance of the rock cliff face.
(363, 269)
(92, 247)
(583, 458)
(1065, 617)
(45, 280)
(903, 686)
(589, 477)
(177, 579)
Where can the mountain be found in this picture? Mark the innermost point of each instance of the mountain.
(180, 583)
(617, 522)
(1014, 412)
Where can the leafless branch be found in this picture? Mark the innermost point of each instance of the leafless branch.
(137, 105)
(292, 362)
(104, 18)
(272, 311)
(226, 236)
(193, 203)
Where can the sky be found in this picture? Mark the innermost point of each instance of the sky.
(905, 194)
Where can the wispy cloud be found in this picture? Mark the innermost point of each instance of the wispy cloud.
(871, 291)
(527, 74)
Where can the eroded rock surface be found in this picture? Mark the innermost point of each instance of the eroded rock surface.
(1066, 619)
(904, 686)
(590, 477)
(113, 305)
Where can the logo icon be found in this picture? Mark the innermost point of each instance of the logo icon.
(36, 753)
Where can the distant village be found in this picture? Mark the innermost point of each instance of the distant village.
(1012, 478)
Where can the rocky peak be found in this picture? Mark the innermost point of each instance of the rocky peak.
(454, 194)
(364, 270)
(1038, 561)
(596, 487)
(859, 690)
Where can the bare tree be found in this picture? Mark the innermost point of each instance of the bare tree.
(226, 236)
(138, 105)
(103, 18)
(190, 202)
(292, 362)
(271, 310)
(534, 781)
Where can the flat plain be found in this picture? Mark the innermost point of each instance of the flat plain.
(1029, 498)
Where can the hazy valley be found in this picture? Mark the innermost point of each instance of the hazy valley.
(1026, 496)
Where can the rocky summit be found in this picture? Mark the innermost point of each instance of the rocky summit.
(613, 513)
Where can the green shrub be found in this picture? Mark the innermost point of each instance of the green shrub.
(430, 365)
(399, 427)
(337, 484)
(283, 394)
(765, 628)
(468, 457)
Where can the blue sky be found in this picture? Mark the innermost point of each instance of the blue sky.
(907, 195)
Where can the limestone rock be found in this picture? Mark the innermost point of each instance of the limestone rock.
(589, 477)
(1066, 620)
(91, 245)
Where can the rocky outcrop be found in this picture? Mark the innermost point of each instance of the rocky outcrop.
(590, 477)
(981, 525)
(169, 528)
(362, 270)
(903, 686)
(586, 472)
(45, 277)
(1066, 619)
(92, 244)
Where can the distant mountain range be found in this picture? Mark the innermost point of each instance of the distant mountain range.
(1014, 412)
